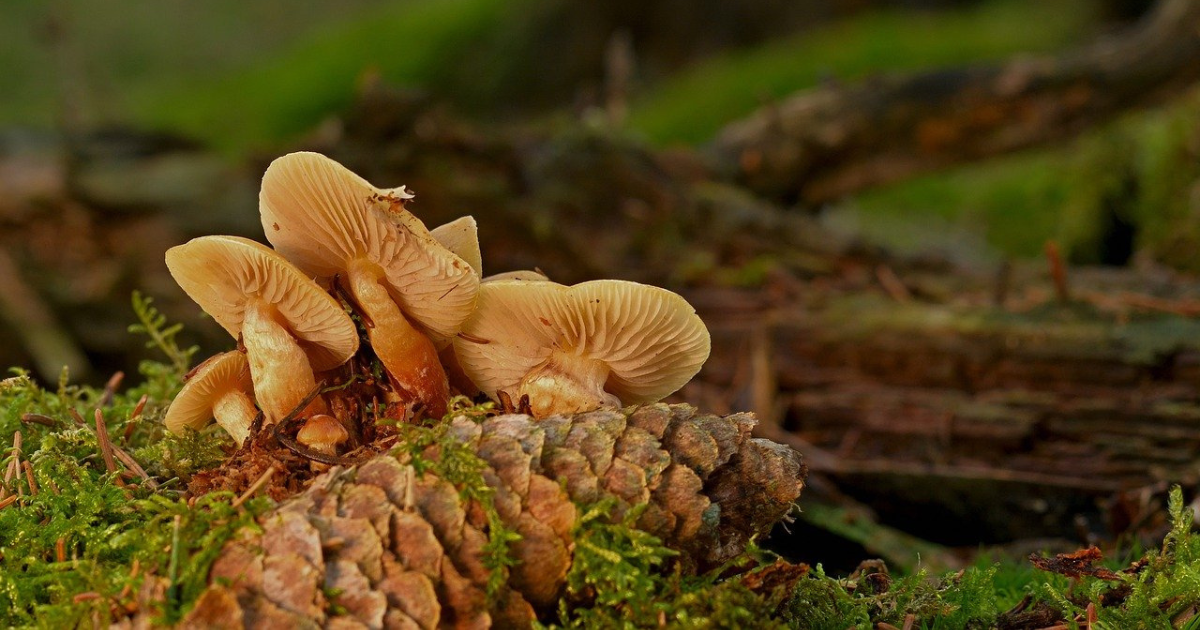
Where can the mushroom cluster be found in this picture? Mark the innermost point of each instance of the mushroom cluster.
(351, 262)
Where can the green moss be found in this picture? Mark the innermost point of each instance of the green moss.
(692, 106)
(1167, 587)
(1015, 201)
(620, 578)
(1140, 170)
(433, 450)
(103, 527)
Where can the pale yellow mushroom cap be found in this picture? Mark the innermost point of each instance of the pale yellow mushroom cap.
(218, 375)
(523, 275)
(650, 339)
(223, 273)
(322, 217)
(461, 236)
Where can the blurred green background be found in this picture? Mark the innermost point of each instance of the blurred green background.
(254, 75)
(244, 81)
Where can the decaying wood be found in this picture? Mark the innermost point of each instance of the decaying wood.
(1007, 422)
(824, 143)
(402, 549)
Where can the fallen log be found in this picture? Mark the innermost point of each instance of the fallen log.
(964, 422)
(830, 141)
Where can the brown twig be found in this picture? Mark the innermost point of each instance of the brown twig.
(254, 487)
(86, 597)
(139, 407)
(133, 418)
(106, 446)
(1182, 308)
(60, 549)
(892, 284)
(13, 464)
(295, 412)
(110, 388)
(77, 417)
(109, 450)
(133, 466)
(133, 573)
(33, 486)
(37, 418)
(281, 430)
(7, 502)
(1058, 272)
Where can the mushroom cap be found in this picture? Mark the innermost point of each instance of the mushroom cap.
(651, 339)
(321, 216)
(523, 275)
(224, 273)
(322, 431)
(461, 236)
(193, 406)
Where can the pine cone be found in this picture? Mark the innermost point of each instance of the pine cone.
(381, 546)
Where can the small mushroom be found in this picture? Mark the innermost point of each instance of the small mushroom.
(574, 349)
(322, 433)
(218, 388)
(415, 292)
(288, 324)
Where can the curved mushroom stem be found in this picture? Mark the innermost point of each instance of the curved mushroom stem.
(235, 412)
(280, 370)
(409, 356)
(566, 383)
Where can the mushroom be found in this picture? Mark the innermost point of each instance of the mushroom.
(289, 325)
(322, 433)
(218, 388)
(461, 236)
(523, 275)
(574, 349)
(413, 291)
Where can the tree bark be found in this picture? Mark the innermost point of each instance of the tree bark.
(822, 144)
(959, 419)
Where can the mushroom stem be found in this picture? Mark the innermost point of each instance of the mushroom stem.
(566, 383)
(409, 356)
(235, 412)
(279, 368)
